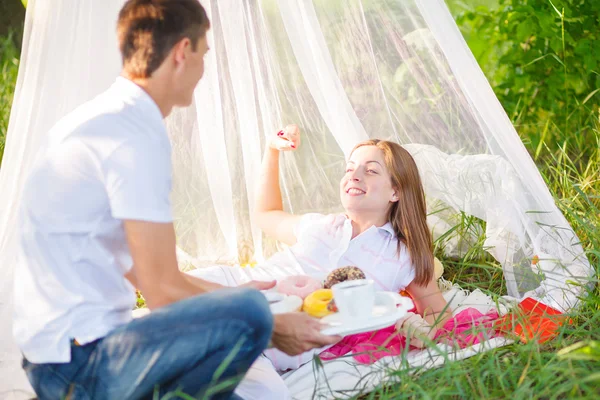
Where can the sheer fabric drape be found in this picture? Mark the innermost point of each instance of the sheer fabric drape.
(344, 71)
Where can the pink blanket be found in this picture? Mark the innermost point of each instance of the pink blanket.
(467, 328)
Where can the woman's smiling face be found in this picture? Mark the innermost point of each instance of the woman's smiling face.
(367, 184)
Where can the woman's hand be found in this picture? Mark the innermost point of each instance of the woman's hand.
(417, 331)
(287, 139)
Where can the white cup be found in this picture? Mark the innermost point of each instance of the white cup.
(354, 299)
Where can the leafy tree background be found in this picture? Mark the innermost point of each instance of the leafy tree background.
(542, 58)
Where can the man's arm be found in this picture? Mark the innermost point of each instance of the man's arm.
(207, 286)
(155, 271)
(295, 333)
(131, 277)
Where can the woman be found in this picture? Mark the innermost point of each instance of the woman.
(383, 231)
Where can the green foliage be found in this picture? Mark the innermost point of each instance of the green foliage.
(542, 58)
(9, 66)
(587, 350)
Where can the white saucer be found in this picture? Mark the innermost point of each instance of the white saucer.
(281, 303)
(273, 297)
(384, 314)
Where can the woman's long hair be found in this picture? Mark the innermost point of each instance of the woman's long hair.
(408, 215)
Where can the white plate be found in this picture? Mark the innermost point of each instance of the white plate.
(273, 297)
(284, 304)
(384, 314)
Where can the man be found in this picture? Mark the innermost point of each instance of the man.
(96, 222)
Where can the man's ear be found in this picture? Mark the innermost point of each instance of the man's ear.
(179, 50)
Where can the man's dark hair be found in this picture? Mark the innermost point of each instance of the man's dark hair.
(147, 30)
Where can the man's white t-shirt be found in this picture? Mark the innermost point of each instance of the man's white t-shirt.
(107, 161)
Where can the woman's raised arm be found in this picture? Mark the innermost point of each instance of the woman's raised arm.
(269, 212)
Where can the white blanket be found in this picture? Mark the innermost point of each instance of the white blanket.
(344, 377)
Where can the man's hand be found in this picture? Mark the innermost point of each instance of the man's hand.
(416, 329)
(259, 285)
(295, 333)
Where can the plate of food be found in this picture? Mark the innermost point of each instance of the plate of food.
(345, 302)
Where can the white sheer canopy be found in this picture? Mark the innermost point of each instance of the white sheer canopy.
(344, 71)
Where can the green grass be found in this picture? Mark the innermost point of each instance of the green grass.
(569, 365)
(9, 65)
(566, 367)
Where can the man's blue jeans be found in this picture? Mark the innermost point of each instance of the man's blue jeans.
(200, 346)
